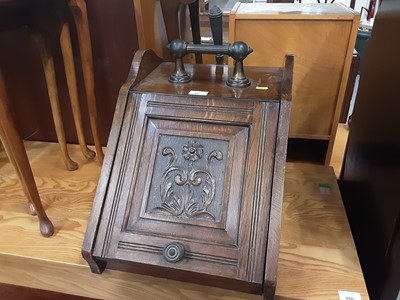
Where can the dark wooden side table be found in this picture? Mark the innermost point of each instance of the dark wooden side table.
(16, 13)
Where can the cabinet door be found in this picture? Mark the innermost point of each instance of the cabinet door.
(190, 186)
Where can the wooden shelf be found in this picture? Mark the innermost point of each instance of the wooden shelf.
(317, 255)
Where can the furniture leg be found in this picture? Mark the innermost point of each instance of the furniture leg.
(66, 48)
(79, 12)
(11, 156)
(13, 144)
(48, 66)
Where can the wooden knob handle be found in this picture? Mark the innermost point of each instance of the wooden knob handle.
(174, 252)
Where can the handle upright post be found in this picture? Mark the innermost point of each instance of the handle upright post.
(215, 16)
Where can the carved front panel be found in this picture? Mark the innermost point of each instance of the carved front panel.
(185, 177)
(188, 180)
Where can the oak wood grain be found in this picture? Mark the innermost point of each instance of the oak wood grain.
(16, 292)
(317, 254)
(212, 79)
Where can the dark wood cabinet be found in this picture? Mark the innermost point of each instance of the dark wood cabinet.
(191, 187)
(371, 171)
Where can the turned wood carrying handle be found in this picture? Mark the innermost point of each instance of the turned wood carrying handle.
(238, 51)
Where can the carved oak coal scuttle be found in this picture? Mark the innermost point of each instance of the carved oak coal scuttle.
(191, 187)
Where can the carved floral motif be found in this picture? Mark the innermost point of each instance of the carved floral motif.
(178, 184)
(192, 151)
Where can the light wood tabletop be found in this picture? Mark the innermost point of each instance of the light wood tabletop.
(317, 255)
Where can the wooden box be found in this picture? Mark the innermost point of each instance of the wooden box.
(321, 37)
(191, 187)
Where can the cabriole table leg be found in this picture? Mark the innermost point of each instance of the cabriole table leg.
(13, 144)
(79, 12)
(48, 66)
(66, 49)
